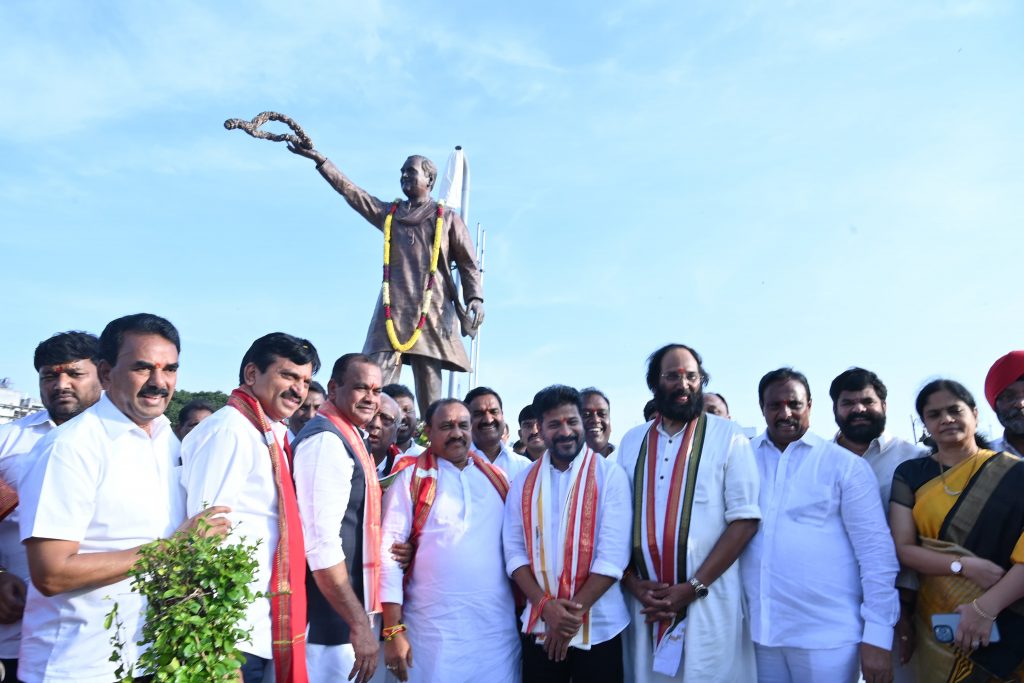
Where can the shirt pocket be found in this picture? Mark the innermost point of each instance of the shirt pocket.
(812, 505)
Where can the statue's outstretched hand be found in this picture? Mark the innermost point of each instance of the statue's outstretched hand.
(308, 153)
(475, 311)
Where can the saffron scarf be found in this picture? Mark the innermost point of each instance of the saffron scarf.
(664, 559)
(423, 489)
(288, 575)
(562, 565)
(371, 510)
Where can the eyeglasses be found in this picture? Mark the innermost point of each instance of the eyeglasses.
(676, 376)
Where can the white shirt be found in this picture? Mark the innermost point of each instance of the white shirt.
(1001, 444)
(413, 449)
(820, 572)
(103, 482)
(458, 604)
(885, 454)
(323, 484)
(226, 462)
(17, 439)
(613, 534)
(508, 461)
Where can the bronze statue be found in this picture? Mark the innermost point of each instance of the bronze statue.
(418, 227)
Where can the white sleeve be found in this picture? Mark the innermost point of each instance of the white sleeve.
(323, 485)
(512, 538)
(742, 480)
(215, 467)
(58, 494)
(614, 524)
(395, 528)
(873, 547)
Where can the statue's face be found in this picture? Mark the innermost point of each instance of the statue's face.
(415, 183)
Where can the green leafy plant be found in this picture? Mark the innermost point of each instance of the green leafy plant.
(198, 590)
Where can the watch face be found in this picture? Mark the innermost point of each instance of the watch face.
(956, 566)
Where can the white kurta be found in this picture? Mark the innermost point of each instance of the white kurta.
(717, 644)
(458, 606)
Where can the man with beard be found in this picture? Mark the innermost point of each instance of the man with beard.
(695, 488)
(309, 408)
(405, 440)
(597, 420)
(566, 538)
(529, 434)
(1004, 389)
(858, 404)
(339, 498)
(820, 572)
(381, 433)
(450, 617)
(68, 384)
(99, 488)
(238, 457)
(488, 420)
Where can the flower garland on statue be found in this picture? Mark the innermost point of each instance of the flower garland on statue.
(428, 292)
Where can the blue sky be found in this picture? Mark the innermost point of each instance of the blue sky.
(797, 183)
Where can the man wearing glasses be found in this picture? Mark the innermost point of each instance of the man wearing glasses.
(695, 487)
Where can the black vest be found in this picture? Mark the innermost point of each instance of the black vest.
(326, 627)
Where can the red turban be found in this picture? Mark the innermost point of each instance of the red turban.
(1003, 373)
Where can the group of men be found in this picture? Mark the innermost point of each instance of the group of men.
(686, 552)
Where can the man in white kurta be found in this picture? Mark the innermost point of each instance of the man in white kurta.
(457, 605)
(68, 384)
(724, 514)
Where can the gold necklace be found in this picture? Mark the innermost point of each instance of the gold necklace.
(942, 474)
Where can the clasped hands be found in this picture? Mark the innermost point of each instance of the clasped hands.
(662, 601)
(562, 621)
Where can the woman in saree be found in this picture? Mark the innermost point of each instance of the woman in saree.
(957, 518)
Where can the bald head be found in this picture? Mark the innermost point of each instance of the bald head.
(382, 430)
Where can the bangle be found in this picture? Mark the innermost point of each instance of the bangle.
(543, 601)
(974, 604)
(389, 632)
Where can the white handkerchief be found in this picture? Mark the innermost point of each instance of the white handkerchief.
(669, 654)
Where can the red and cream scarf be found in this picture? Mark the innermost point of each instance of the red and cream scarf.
(288, 575)
(371, 507)
(561, 565)
(664, 559)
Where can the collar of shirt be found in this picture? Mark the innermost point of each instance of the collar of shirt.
(116, 423)
(502, 450)
(878, 445)
(809, 439)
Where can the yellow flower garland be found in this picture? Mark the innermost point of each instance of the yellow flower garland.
(428, 291)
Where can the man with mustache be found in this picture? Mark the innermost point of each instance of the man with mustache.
(566, 538)
(98, 488)
(339, 498)
(1004, 389)
(858, 404)
(68, 384)
(450, 617)
(405, 439)
(529, 434)
(820, 573)
(695, 489)
(597, 420)
(488, 420)
(381, 433)
(310, 407)
(239, 457)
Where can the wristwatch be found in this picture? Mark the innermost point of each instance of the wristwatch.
(956, 566)
(698, 588)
